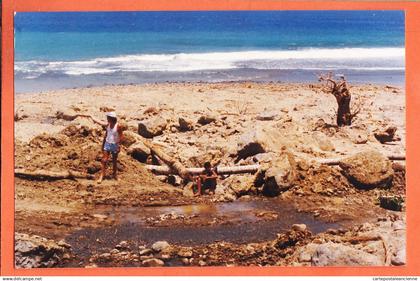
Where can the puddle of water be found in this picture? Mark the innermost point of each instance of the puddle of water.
(243, 211)
(243, 225)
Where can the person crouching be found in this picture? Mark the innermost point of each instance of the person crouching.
(206, 180)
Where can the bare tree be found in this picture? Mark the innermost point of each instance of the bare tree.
(342, 94)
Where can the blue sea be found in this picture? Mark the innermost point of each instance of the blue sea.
(80, 49)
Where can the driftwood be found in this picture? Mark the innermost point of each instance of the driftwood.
(342, 94)
(246, 169)
(174, 164)
(51, 175)
(336, 161)
(165, 170)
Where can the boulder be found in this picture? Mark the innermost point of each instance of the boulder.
(185, 125)
(198, 157)
(299, 227)
(152, 127)
(145, 252)
(391, 202)
(48, 140)
(139, 151)
(323, 141)
(356, 135)
(277, 176)
(267, 116)
(185, 252)
(259, 140)
(386, 135)
(160, 246)
(188, 191)
(206, 119)
(32, 251)
(153, 262)
(399, 257)
(129, 138)
(240, 184)
(368, 169)
(332, 254)
(66, 114)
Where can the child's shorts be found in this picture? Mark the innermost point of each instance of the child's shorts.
(111, 147)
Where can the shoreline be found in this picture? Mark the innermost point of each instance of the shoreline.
(48, 83)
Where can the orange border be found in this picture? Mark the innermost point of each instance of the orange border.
(413, 129)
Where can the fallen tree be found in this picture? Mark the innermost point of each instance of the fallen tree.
(165, 170)
(336, 161)
(173, 163)
(51, 175)
(246, 169)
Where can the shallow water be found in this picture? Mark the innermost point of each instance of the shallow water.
(238, 223)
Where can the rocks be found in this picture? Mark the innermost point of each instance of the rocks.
(323, 141)
(123, 245)
(33, 251)
(259, 140)
(299, 227)
(45, 140)
(278, 176)
(206, 119)
(267, 116)
(152, 127)
(160, 246)
(106, 109)
(153, 263)
(251, 143)
(139, 151)
(185, 252)
(185, 125)
(399, 257)
(392, 202)
(66, 114)
(100, 217)
(386, 135)
(305, 257)
(368, 169)
(152, 110)
(145, 252)
(332, 254)
(355, 134)
(240, 184)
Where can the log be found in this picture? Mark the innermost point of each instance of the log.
(336, 161)
(174, 164)
(51, 175)
(165, 170)
(246, 169)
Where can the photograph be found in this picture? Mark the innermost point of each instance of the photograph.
(209, 138)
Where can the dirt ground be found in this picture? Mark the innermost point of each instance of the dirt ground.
(94, 219)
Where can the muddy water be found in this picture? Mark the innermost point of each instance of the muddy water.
(237, 222)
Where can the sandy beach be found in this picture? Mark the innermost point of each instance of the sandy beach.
(144, 219)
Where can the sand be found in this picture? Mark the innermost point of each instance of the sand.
(299, 117)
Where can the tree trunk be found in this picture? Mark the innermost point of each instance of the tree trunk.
(168, 160)
(51, 175)
(343, 112)
(342, 94)
(165, 170)
(336, 161)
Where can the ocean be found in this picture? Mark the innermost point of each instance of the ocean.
(83, 49)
